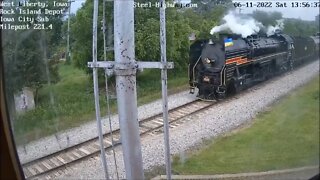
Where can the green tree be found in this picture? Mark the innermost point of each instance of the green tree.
(298, 27)
(206, 7)
(81, 33)
(27, 52)
(180, 23)
(267, 18)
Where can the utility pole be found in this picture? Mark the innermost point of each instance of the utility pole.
(124, 50)
(164, 87)
(68, 33)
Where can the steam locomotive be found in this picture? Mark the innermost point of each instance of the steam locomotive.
(230, 63)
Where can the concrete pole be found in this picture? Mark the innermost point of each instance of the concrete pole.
(164, 87)
(125, 71)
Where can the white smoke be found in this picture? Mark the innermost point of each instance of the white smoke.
(238, 25)
(271, 29)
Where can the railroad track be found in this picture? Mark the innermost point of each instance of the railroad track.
(90, 148)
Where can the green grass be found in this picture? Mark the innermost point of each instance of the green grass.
(149, 85)
(287, 136)
(69, 103)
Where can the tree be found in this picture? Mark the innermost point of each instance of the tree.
(206, 7)
(81, 33)
(27, 52)
(317, 22)
(180, 23)
(267, 18)
(298, 27)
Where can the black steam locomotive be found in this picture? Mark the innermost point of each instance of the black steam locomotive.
(231, 63)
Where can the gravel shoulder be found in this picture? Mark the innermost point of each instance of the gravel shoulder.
(221, 118)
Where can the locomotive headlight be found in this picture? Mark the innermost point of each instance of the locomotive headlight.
(208, 61)
(206, 79)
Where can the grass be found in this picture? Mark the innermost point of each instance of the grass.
(287, 136)
(149, 85)
(69, 103)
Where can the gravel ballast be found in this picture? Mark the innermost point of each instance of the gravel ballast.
(219, 119)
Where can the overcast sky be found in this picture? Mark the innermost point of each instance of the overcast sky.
(76, 5)
(306, 13)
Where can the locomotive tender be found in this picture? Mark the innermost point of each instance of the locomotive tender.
(232, 63)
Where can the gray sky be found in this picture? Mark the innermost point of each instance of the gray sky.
(306, 13)
(76, 5)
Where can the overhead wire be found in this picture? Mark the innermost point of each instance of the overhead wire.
(96, 86)
(107, 88)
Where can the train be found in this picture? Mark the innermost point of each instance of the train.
(229, 63)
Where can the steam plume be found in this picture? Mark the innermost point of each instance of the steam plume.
(238, 25)
(271, 29)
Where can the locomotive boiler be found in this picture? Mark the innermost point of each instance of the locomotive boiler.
(230, 63)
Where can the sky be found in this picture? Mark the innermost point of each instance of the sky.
(76, 5)
(306, 13)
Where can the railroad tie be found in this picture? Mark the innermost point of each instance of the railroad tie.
(54, 161)
(150, 125)
(172, 126)
(61, 159)
(84, 151)
(38, 168)
(107, 142)
(96, 145)
(142, 129)
(158, 121)
(184, 111)
(33, 172)
(45, 164)
(77, 154)
(179, 114)
(57, 174)
(69, 155)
